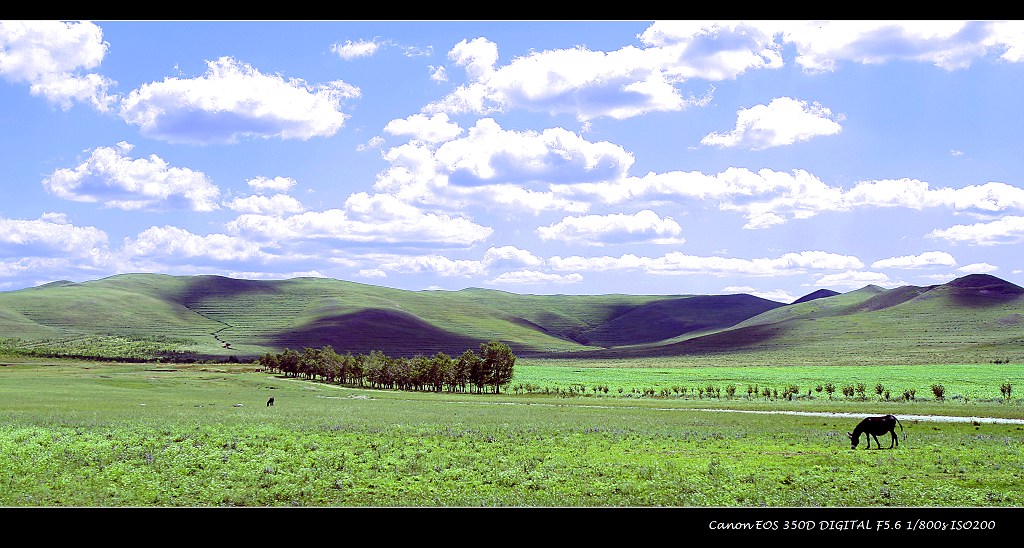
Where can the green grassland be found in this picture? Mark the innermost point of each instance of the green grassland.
(975, 319)
(113, 435)
(617, 400)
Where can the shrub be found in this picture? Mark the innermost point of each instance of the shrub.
(1005, 389)
(939, 391)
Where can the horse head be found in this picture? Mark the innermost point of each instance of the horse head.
(853, 440)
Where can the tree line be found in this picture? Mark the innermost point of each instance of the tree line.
(486, 371)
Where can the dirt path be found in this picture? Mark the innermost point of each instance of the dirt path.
(903, 418)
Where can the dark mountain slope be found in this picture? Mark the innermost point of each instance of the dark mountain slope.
(395, 332)
(670, 318)
(819, 294)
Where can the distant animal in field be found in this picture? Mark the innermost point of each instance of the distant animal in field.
(872, 427)
(271, 402)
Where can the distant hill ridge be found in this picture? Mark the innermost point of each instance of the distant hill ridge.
(220, 316)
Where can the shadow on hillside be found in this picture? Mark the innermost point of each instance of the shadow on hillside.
(396, 333)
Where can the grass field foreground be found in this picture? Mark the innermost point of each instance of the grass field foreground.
(80, 434)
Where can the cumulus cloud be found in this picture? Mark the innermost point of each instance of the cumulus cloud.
(437, 264)
(48, 268)
(928, 258)
(767, 197)
(533, 277)
(784, 121)
(178, 243)
(951, 45)
(1006, 230)
(578, 81)
(776, 295)
(491, 154)
(111, 177)
(433, 129)
(378, 218)
(499, 168)
(52, 57)
(632, 81)
(278, 184)
(352, 50)
(676, 263)
(856, 279)
(50, 232)
(510, 256)
(978, 268)
(599, 230)
(276, 204)
(234, 100)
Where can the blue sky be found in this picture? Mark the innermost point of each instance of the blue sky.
(773, 158)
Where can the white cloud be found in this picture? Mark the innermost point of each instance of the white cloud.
(111, 177)
(378, 218)
(498, 168)
(279, 184)
(632, 81)
(1006, 230)
(533, 277)
(856, 279)
(50, 56)
(599, 230)
(44, 266)
(372, 273)
(52, 232)
(776, 295)
(927, 258)
(978, 268)
(784, 121)
(373, 143)
(510, 255)
(434, 129)
(234, 100)
(490, 154)
(438, 74)
(176, 243)
(937, 278)
(588, 84)
(275, 275)
(822, 45)
(277, 204)
(676, 263)
(767, 197)
(352, 50)
(437, 264)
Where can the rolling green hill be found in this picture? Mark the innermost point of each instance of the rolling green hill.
(976, 318)
(973, 318)
(219, 316)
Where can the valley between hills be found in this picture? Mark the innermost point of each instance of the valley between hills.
(973, 319)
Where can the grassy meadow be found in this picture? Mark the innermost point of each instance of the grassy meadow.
(201, 435)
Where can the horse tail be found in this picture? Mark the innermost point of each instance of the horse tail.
(901, 427)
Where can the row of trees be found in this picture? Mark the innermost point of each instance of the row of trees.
(489, 370)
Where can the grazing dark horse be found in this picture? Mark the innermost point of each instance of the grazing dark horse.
(271, 402)
(872, 427)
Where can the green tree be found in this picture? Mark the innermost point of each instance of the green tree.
(443, 372)
(461, 377)
(473, 365)
(499, 362)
